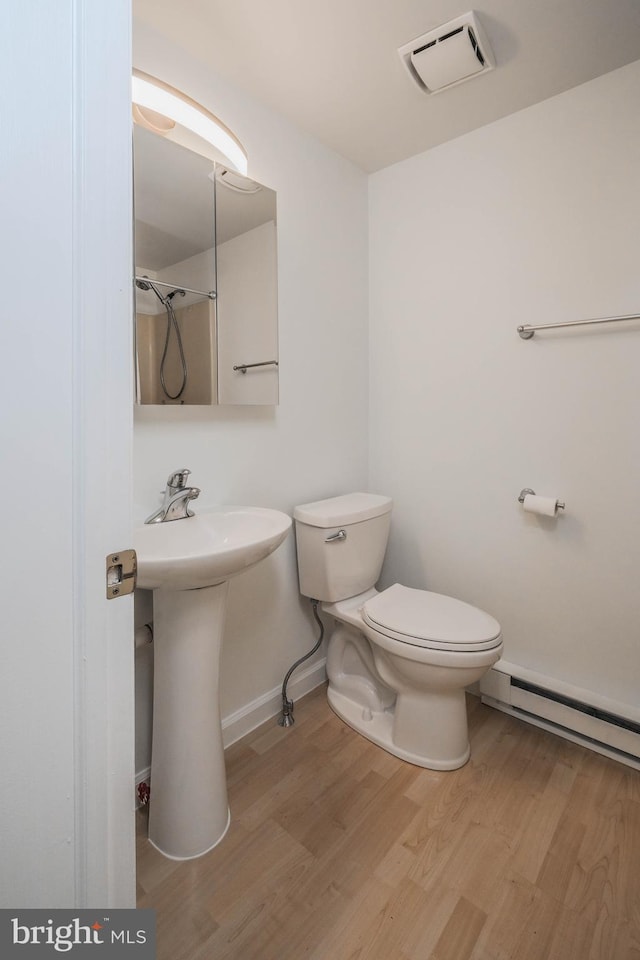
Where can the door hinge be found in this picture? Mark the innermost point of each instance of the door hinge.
(121, 573)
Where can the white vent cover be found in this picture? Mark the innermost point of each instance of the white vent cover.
(449, 55)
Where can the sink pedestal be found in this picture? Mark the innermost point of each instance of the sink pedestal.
(188, 810)
(188, 563)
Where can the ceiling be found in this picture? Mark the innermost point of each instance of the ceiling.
(332, 67)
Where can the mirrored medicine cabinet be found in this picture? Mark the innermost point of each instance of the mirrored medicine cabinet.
(206, 315)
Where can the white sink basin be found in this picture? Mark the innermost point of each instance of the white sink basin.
(187, 564)
(208, 548)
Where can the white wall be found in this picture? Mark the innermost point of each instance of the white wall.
(533, 219)
(314, 443)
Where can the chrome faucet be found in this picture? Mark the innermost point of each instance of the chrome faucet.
(177, 495)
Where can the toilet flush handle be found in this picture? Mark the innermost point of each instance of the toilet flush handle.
(340, 535)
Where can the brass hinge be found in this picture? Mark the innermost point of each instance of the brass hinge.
(121, 573)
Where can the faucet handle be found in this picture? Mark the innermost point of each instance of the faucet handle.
(178, 479)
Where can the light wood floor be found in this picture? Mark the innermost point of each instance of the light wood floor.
(338, 851)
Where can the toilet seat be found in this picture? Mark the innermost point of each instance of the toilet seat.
(431, 621)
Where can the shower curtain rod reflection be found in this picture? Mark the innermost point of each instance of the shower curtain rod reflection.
(211, 294)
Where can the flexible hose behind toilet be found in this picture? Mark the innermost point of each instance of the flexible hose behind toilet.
(286, 717)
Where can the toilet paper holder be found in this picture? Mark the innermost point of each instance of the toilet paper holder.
(528, 490)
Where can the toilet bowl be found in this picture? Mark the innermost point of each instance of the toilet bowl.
(398, 661)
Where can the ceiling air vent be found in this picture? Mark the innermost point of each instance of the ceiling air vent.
(448, 55)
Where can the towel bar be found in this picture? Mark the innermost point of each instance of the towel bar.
(526, 331)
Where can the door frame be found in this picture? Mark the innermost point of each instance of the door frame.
(102, 464)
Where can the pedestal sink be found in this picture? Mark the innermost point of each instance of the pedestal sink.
(188, 563)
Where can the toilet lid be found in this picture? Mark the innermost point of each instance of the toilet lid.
(433, 620)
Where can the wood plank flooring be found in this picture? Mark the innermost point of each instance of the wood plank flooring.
(339, 851)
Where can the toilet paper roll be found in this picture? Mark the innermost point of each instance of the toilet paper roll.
(545, 506)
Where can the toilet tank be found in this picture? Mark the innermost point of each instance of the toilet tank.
(341, 544)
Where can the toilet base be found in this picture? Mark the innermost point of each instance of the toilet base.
(377, 726)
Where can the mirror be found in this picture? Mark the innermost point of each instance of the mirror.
(247, 301)
(174, 207)
(206, 279)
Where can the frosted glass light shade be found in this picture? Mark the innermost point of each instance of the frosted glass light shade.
(154, 95)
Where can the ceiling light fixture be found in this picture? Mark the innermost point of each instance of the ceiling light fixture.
(150, 94)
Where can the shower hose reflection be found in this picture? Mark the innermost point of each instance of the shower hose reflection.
(172, 324)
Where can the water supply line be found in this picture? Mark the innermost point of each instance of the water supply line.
(286, 718)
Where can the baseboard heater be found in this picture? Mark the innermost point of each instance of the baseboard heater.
(593, 725)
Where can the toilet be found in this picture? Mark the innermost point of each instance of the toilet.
(399, 660)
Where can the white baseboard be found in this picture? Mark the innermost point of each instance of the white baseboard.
(243, 721)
